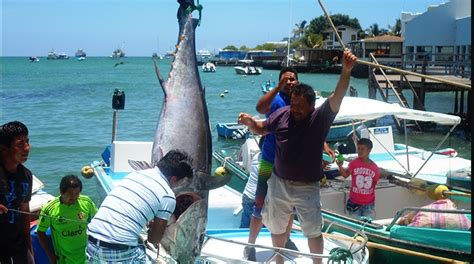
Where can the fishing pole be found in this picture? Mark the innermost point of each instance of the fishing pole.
(466, 86)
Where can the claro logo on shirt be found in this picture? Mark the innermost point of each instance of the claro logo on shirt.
(69, 233)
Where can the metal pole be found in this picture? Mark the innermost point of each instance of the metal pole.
(114, 125)
(468, 87)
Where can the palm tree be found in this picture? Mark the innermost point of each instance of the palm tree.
(373, 30)
(299, 30)
(396, 29)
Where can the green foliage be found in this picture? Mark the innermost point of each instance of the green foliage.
(243, 48)
(268, 46)
(311, 40)
(396, 29)
(373, 30)
(299, 30)
(320, 23)
(230, 47)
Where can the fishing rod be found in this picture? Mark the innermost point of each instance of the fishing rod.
(462, 85)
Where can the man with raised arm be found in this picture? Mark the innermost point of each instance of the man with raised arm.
(300, 131)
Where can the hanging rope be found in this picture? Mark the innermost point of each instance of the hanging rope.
(52, 217)
(192, 8)
(340, 254)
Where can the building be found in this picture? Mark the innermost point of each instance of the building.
(441, 35)
(346, 33)
(386, 48)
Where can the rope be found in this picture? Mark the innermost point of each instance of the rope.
(52, 217)
(340, 254)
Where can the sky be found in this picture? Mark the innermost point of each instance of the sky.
(141, 27)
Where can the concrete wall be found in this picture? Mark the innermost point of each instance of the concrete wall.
(438, 26)
(463, 31)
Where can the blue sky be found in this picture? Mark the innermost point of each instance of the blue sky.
(33, 27)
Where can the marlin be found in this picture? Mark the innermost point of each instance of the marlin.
(184, 125)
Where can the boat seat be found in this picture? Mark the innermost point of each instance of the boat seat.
(452, 239)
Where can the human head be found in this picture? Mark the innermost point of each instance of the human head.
(302, 101)
(14, 142)
(291, 79)
(176, 165)
(70, 188)
(364, 146)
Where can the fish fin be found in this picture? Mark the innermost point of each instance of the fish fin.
(139, 165)
(208, 182)
(158, 75)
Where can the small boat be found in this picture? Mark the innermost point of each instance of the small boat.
(224, 242)
(268, 86)
(80, 54)
(209, 67)
(118, 53)
(33, 59)
(232, 130)
(156, 56)
(247, 70)
(63, 56)
(52, 55)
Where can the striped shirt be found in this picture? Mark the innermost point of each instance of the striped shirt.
(136, 200)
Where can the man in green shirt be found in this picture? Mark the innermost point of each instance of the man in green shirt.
(67, 215)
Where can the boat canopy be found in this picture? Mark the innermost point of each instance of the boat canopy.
(357, 108)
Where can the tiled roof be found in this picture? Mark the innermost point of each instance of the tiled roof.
(384, 38)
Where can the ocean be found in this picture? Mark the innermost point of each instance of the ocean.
(67, 106)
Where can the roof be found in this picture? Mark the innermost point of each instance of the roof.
(384, 38)
(329, 29)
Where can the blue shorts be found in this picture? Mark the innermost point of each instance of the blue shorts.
(358, 210)
(247, 209)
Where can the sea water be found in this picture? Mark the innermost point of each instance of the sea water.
(67, 106)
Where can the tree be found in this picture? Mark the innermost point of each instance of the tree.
(373, 30)
(298, 32)
(268, 46)
(312, 40)
(230, 47)
(396, 30)
(320, 23)
(244, 48)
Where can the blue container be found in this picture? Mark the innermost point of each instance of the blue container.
(40, 255)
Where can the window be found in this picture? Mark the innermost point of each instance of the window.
(444, 53)
(353, 37)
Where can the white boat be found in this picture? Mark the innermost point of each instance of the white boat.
(224, 241)
(38, 198)
(248, 70)
(203, 54)
(118, 53)
(209, 67)
(52, 55)
(80, 53)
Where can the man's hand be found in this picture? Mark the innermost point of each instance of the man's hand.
(349, 60)
(3, 209)
(246, 119)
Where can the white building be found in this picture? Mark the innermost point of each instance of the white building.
(443, 32)
(346, 33)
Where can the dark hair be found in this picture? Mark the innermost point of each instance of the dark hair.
(9, 131)
(306, 91)
(366, 142)
(288, 69)
(70, 182)
(176, 163)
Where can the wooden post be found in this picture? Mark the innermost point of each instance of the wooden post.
(422, 90)
(456, 98)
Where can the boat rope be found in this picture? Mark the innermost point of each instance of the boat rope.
(52, 217)
(458, 84)
(340, 254)
(192, 8)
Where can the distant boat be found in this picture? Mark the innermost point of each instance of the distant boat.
(118, 53)
(209, 67)
(52, 55)
(63, 56)
(80, 53)
(157, 56)
(204, 54)
(248, 70)
(33, 59)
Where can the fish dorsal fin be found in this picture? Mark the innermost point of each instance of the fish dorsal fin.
(158, 75)
(139, 164)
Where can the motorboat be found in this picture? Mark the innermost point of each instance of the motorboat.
(52, 55)
(248, 70)
(118, 53)
(232, 130)
(80, 53)
(33, 59)
(209, 67)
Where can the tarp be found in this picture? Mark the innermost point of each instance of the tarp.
(357, 108)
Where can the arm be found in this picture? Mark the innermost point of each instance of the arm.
(25, 224)
(265, 102)
(344, 172)
(45, 244)
(3, 209)
(335, 99)
(254, 125)
(329, 151)
(156, 230)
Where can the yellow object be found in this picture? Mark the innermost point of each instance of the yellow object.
(324, 181)
(436, 192)
(220, 171)
(221, 95)
(87, 172)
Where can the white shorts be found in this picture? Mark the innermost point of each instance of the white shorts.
(284, 195)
